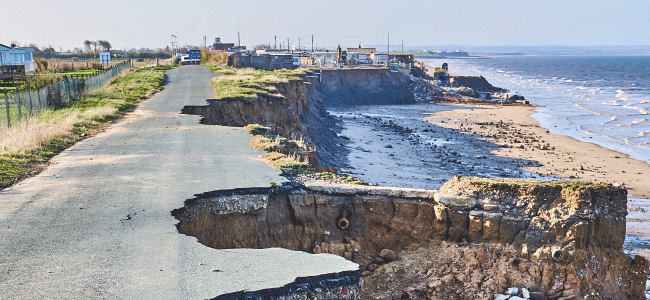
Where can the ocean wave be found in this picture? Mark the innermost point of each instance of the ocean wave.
(641, 110)
(614, 118)
(612, 103)
(582, 107)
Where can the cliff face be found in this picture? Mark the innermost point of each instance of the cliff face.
(298, 112)
(559, 240)
(364, 86)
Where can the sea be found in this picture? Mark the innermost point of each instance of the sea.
(603, 100)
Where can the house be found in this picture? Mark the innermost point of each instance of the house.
(402, 58)
(358, 58)
(219, 46)
(324, 58)
(18, 56)
(360, 50)
(379, 58)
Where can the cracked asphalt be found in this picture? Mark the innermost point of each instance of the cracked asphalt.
(97, 223)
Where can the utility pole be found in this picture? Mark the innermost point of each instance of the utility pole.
(388, 43)
(402, 46)
(171, 51)
(288, 45)
(238, 41)
(275, 44)
(312, 43)
(298, 44)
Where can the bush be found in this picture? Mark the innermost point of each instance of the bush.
(96, 66)
(41, 65)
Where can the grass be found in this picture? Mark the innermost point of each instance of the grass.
(26, 147)
(282, 152)
(42, 78)
(250, 83)
(285, 161)
(516, 183)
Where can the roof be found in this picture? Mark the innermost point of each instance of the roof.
(3, 46)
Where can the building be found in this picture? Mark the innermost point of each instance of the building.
(12, 56)
(219, 46)
(379, 58)
(402, 58)
(264, 61)
(324, 58)
(358, 58)
(360, 50)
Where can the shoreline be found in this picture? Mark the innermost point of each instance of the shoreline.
(558, 155)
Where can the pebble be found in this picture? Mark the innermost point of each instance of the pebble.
(512, 291)
(388, 254)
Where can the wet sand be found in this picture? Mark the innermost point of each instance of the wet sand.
(393, 145)
(557, 155)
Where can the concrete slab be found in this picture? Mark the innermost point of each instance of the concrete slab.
(97, 222)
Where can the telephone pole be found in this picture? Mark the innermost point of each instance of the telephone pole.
(389, 43)
(238, 40)
(312, 43)
(275, 44)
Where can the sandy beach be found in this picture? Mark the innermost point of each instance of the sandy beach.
(557, 155)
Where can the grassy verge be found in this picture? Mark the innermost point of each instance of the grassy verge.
(26, 147)
(250, 83)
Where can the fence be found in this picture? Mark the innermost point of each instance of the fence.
(33, 102)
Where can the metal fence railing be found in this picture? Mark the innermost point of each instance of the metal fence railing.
(33, 102)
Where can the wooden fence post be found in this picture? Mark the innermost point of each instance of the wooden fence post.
(29, 93)
(20, 104)
(7, 107)
(40, 104)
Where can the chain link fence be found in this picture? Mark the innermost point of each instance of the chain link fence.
(33, 102)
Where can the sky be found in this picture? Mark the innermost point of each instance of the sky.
(136, 24)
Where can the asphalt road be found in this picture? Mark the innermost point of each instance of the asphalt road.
(97, 222)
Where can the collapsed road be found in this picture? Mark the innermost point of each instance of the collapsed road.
(97, 222)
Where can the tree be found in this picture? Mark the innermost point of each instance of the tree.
(104, 45)
(262, 47)
(88, 45)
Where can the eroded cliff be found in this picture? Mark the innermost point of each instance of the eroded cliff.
(474, 237)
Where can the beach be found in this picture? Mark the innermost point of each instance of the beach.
(557, 155)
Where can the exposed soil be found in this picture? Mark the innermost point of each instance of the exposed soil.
(475, 237)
